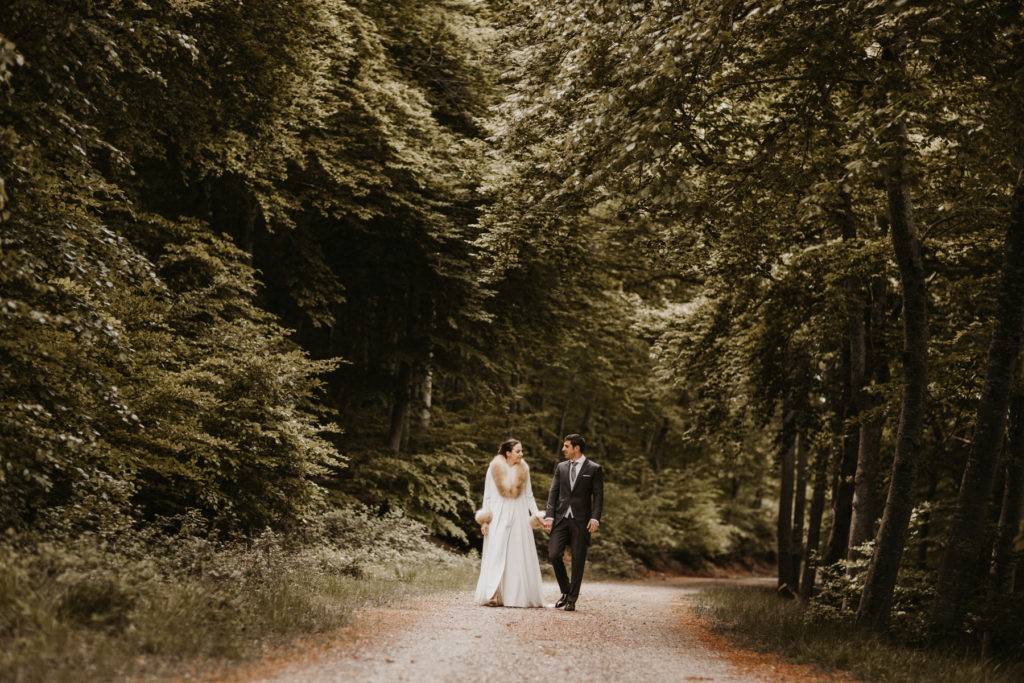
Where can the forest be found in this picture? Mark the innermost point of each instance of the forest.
(277, 277)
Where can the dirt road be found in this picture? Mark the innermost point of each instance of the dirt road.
(638, 631)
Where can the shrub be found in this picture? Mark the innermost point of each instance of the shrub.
(141, 601)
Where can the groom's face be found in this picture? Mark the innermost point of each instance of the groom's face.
(570, 451)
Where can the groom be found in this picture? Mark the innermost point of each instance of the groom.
(573, 513)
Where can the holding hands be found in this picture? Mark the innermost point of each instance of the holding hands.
(592, 525)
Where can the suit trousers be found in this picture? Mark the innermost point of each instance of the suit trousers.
(571, 533)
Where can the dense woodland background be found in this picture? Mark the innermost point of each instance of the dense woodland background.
(276, 269)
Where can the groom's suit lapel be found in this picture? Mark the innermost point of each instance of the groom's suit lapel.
(564, 473)
(584, 469)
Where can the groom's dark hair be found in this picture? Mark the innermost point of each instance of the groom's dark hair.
(577, 440)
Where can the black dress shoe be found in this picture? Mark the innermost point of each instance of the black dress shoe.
(570, 606)
(562, 601)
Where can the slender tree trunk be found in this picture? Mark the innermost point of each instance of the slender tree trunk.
(867, 451)
(957, 578)
(864, 507)
(842, 502)
(565, 416)
(426, 397)
(865, 504)
(842, 489)
(925, 529)
(880, 582)
(248, 244)
(814, 524)
(399, 408)
(657, 440)
(1003, 560)
(585, 422)
(799, 505)
(514, 407)
(784, 531)
(865, 500)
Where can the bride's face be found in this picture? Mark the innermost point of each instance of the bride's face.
(515, 455)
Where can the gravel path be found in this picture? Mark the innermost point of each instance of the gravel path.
(620, 632)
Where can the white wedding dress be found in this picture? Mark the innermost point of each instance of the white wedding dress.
(509, 568)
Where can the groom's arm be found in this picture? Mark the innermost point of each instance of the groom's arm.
(549, 510)
(595, 510)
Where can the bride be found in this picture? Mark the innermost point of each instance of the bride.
(509, 569)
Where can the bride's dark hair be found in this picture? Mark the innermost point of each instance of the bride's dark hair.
(507, 446)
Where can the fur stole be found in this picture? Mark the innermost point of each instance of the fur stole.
(510, 479)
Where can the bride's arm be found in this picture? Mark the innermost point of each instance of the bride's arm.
(484, 514)
(531, 502)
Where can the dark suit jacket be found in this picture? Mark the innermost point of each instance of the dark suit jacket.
(586, 499)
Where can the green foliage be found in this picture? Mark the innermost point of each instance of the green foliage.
(433, 488)
(738, 152)
(673, 527)
(760, 619)
(230, 422)
(840, 586)
(137, 603)
(331, 177)
(261, 259)
(138, 367)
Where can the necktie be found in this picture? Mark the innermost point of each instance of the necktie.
(572, 474)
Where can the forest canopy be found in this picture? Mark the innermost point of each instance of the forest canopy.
(264, 261)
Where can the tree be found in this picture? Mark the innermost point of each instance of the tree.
(960, 564)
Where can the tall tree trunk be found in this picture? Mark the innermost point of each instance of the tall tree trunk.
(1003, 563)
(399, 408)
(925, 528)
(957, 578)
(585, 422)
(862, 474)
(865, 510)
(814, 524)
(565, 417)
(514, 407)
(784, 524)
(842, 488)
(427, 395)
(1004, 570)
(865, 506)
(656, 441)
(880, 582)
(856, 354)
(799, 504)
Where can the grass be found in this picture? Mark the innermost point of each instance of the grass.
(757, 618)
(88, 609)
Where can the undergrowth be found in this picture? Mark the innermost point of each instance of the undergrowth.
(98, 607)
(758, 618)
